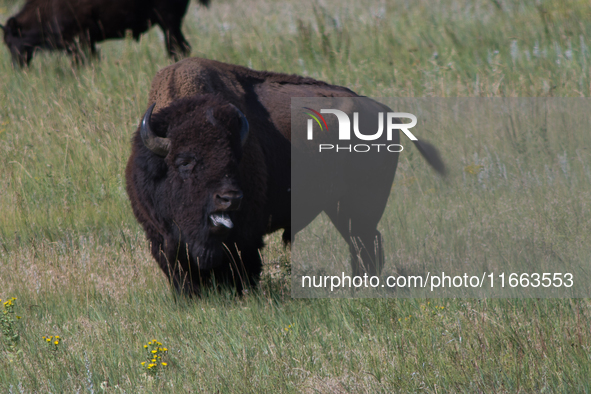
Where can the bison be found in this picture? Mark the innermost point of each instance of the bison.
(73, 25)
(209, 173)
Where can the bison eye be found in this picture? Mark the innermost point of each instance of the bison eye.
(185, 165)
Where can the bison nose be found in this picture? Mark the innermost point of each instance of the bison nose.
(228, 201)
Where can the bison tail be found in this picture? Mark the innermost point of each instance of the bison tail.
(431, 154)
(204, 2)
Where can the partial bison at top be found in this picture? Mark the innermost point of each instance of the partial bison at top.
(210, 174)
(73, 25)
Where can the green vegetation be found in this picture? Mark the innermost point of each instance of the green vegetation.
(78, 263)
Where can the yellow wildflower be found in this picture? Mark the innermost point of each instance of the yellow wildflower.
(473, 169)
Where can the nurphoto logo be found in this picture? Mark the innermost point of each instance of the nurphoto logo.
(344, 132)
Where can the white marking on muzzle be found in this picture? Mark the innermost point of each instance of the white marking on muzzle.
(221, 219)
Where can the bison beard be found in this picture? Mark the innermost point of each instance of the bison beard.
(206, 190)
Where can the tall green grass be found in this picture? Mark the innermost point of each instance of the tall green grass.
(75, 258)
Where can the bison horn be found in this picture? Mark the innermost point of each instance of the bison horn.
(243, 122)
(244, 125)
(158, 145)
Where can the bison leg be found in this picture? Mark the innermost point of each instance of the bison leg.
(240, 269)
(87, 43)
(22, 59)
(243, 269)
(169, 15)
(92, 46)
(359, 228)
(176, 44)
(367, 253)
(81, 52)
(253, 265)
(365, 245)
(175, 266)
(358, 211)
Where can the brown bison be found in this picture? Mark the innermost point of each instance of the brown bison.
(209, 173)
(72, 24)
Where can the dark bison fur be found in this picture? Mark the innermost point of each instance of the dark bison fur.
(175, 196)
(74, 25)
(210, 174)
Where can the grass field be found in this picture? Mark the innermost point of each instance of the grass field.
(73, 254)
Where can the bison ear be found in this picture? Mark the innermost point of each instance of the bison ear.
(158, 145)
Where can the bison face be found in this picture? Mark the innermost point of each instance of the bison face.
(21, 43)
(199, 143)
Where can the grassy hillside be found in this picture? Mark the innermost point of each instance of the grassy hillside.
(73, 254)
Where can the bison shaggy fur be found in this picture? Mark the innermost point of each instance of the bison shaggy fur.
(206, 192)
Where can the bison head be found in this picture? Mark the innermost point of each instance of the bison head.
(191, 155)
(20, 41)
